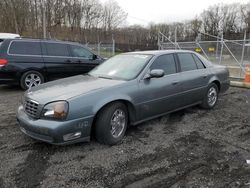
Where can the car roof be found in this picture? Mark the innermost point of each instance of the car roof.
(8, 36)
(43, 40)
(159, 52)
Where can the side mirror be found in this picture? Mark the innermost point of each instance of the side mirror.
(155, 73)
(94, 57)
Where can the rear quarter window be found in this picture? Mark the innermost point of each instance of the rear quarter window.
(199, 63)
(57, 49)
(25, 48)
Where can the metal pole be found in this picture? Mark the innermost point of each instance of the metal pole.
(159, 45)
(99, 48)
(175, 38)
(217, 48)
(113, 46)
(44, 20)
(222, 46)
(243, 53)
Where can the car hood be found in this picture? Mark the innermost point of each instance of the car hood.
(67, 88)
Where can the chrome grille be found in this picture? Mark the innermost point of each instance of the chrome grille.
(31, 108)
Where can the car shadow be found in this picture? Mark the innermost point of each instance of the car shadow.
(10, 88)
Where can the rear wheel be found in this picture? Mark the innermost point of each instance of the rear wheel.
(211, 97)
(111, 123)
(31, 79)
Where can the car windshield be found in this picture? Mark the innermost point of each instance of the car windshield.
(122, 67)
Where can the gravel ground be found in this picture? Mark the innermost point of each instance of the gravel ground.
(189, 148)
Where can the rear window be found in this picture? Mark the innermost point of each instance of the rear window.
(25, 48)
(57, 49)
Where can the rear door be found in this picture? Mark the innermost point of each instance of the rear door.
(194, 78)
(23, 56)
(85, 59)
(58, 60)
(161, 94)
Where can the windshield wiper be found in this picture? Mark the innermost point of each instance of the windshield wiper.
(105, 77)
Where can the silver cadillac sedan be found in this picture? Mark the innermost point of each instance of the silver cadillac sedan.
(123, 91)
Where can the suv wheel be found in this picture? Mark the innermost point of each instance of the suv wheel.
(111, 123)
(31, 79)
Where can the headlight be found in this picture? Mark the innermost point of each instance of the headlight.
(56, 110)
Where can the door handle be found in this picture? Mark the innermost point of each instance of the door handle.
(205, 76)
(68, 61)
(175, 83)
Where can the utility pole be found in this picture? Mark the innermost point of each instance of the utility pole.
(44, 21)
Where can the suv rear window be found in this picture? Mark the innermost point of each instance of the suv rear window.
(57, 49)
(25, 48)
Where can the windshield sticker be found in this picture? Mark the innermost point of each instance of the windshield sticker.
(141, 56)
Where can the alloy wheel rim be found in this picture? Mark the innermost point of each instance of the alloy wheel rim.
(212, 96)
(118, 122)
(32, 80)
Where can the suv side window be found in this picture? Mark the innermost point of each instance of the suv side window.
(199, 63)
(25, 48)
(187, 62)
(57, 49)
(78, 51)
(166, 63)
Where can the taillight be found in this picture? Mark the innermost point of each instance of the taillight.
(3, 62)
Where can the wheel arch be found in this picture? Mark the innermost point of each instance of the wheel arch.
(130, 107)
(216, 81)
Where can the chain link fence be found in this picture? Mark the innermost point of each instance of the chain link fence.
(105, 50)
(235, 54)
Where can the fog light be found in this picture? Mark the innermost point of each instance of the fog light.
(72, 136)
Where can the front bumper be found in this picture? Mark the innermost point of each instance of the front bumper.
(54, 132)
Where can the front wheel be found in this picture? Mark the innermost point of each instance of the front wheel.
(31, 79)
(111, 123)
(211, 97)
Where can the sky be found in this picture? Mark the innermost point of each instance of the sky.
(166, 11)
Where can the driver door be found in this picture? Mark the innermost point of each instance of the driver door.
(160, 95)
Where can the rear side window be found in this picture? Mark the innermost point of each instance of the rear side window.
(25, 48)
(78, 51)
(166, 63)
(198, 62)
(57, 49)
(187, 62)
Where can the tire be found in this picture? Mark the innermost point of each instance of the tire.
(105, 132)
(211, 97)
(31, 79)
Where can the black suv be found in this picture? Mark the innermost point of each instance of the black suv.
(30, 62)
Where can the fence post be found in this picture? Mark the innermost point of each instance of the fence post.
(99, 48)
(113, 45)
(243, 53)
(175, 38)
(159, 45)
(222, 46)
(217, 47)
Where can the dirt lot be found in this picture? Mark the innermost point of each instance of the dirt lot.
(190, 148)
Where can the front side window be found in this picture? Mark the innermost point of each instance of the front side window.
(78, 51)
(187, 62)
(25, 48)
(122, 67)
(57, 49)
(166, 63)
